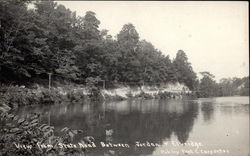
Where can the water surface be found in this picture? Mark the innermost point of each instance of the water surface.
(209, 126)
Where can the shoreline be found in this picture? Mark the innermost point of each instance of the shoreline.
(16, 96)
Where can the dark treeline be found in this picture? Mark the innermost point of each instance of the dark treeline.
(208, 87)
(52, 39)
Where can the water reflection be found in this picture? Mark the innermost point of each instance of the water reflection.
(155, 121)
(207, 109)
(130, 121)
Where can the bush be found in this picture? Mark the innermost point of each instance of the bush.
(129, 94)
(144, 95)
(113, 98)
(165, 95)
(75, 95)
(28, 131)
(50, 97)
(15, 96)
(93, 89)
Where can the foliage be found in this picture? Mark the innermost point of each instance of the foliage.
(33, 42)
(75, 95)
(234, 86)
(15, 96)
(208, 87)
(52, 39)
(93, 89)
(30, 132)
(184, 70)
(108, 97)
(165, 95)
(144, 95)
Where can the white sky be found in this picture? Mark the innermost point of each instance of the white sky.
(214, 35)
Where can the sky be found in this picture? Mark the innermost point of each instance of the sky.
(214, 35)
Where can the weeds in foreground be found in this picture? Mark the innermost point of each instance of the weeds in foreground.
(22, 136)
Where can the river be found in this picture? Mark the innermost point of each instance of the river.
(207, 126)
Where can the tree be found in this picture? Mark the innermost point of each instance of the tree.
(89, 48)
(128, 64)
(57, 25)
(234, 86)
(91, 25)
(128, 35)
(184, 70)
(52, 39)
(208, 86)
(16, 49)
(244, 90)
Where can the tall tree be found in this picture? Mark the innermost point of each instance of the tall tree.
(17, 36)
(129, 35)
(58, 25)
(129, 64)
(184, 70)
(89, 50)
(91, 25)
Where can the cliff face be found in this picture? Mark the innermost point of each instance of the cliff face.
(126, 91)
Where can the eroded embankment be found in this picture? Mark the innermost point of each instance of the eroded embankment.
(15, 96)
(171, 90)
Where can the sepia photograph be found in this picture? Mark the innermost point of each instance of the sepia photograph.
(124, 78)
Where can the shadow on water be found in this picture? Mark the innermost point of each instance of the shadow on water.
(207, 109)
(130, 121)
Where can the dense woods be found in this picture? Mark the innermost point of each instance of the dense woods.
(49, 38)
(52, 39)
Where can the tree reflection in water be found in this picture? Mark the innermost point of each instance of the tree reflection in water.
(207, 109)
(130, 121)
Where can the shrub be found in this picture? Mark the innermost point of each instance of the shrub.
(129, 94)
(165, 95)
(14, 96)
(113, 97)
(28, 131)
(76, 95)
(93, 89)
(144, 95)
